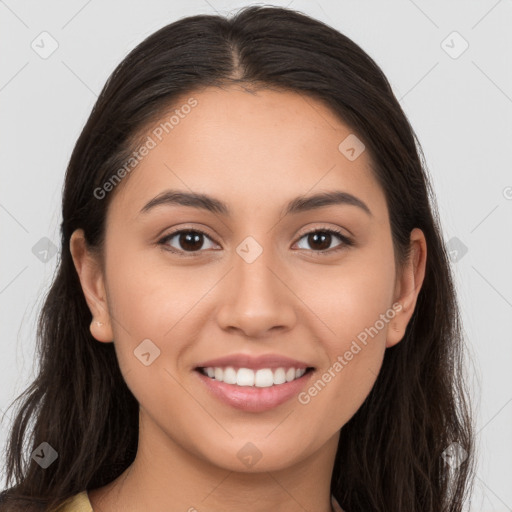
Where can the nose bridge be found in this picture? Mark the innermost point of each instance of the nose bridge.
(257, 300)
(252, 271)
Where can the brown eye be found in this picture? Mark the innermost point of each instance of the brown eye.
(320, 240)
(188, 240)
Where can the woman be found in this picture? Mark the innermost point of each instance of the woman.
(254, 306)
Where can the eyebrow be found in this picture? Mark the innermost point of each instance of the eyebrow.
(297, 205)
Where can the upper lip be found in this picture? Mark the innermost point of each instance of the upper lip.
(254, 362)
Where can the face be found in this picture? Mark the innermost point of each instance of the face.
(312, 286)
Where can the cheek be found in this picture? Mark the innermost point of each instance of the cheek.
(150, 299)
(351, 297)
(149, 311)
(147, 293)
(354, 302)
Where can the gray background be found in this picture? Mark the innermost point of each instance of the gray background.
(460, 105)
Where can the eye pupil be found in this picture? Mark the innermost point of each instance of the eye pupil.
(315, 237)
(189, 238)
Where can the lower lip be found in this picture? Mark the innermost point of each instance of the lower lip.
(252, 398)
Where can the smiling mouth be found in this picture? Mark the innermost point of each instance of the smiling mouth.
(247, 377)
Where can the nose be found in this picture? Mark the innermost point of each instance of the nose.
(256, 299)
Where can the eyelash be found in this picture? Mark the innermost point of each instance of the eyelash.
(347, 242)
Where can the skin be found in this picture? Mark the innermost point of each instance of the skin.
(255, 152)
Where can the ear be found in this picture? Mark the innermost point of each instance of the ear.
(90, 273)
(408, 286)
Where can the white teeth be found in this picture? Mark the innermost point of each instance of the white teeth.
(245, 377)
(279, 376)
(230, 375)
(290, 374)
(263, 378)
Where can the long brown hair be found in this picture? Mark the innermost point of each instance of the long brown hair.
(391, 454)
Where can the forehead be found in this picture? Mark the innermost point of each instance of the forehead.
(251, 149)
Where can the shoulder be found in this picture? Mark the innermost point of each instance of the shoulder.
(77, 503)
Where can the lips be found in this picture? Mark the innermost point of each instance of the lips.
(261, 395)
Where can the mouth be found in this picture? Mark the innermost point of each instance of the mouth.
(254, 390)
(248, 377)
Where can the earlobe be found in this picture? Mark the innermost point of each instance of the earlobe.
(91, 278)
(408, 287)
